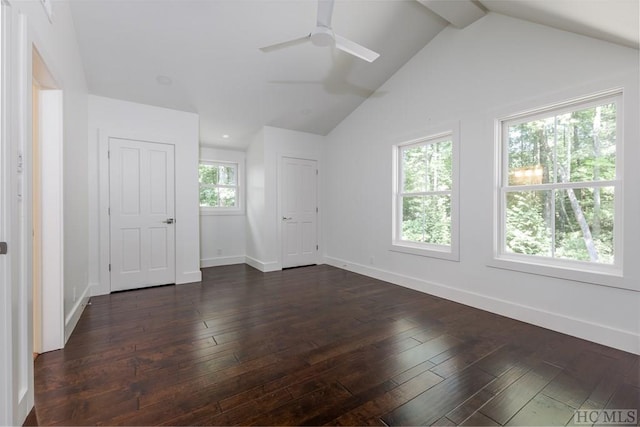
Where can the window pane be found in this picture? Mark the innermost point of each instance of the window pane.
(427, 167)
(227, 197)
(586, 147)
(584, 224)
(208, 174)
(209, 197)
(427, 219)
(414, 170)
(530, 151)
(528, 222)
(439, 166)
(227, 175)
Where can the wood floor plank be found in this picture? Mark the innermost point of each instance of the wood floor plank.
(386, 331)
(567, 389)
(509, 401)
(316, 345)
(470, 406)
(444, 422)
(627, 396)
(410, 373)
(429, 406)
(542, 410)
(299, 411)
(478, 419)
(374, 409)
(463, 356)
(359, 380)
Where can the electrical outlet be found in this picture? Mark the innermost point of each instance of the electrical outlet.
(219, 251)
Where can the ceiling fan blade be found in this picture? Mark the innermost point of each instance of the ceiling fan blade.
(325, 10)
(286, 44)
(355, 49)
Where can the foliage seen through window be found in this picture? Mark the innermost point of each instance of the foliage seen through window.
(218, 185)
(560, 184)
(426, 191)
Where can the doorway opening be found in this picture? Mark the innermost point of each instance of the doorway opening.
(46, 209)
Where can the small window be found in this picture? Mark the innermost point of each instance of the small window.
(219, 185)
(425, 217)
(560, 187)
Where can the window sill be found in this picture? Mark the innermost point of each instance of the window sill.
(431, 251)
(603, 275)
(222, 212)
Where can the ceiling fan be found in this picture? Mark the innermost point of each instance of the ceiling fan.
(323, 35)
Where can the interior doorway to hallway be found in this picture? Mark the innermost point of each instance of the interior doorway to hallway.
(46, 197)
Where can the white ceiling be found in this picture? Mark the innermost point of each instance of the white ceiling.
(210, 51)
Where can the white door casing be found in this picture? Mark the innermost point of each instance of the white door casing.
(142, 209)
(299, 212)
(7, 364)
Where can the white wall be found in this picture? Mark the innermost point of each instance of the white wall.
(121, 118)
(222, 235)
(496, 66)
(57, 45)
(263, 155)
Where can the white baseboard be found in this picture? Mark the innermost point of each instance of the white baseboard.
(265, 267)
(219, 261)
(96, 290)
(601, 334)
(72, 319)
(189, 277)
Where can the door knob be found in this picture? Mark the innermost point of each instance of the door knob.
(284, 218)
(169, 221)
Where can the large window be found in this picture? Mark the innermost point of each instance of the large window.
(424, 208)
(559, 185)
(219, 185)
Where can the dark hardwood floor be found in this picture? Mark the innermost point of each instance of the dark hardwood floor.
(314, 346)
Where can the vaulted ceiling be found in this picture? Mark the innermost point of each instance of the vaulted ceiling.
(203, 55)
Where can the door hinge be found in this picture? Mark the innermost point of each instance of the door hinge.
(316, 171)
(109, 154)
(316, 247)
(109, 267)
(108, 211)
(316, 209)
(3, 248)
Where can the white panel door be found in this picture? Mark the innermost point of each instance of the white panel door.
(142, 198)
(299, 208)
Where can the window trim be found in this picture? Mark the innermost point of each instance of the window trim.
(580, 271)
(446, 252)
(220, 210)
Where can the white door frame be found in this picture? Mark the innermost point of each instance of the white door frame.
(301, 156)
(52, 292)
(50, 141)
(6, 215)
(19, 41)
(104, 134)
